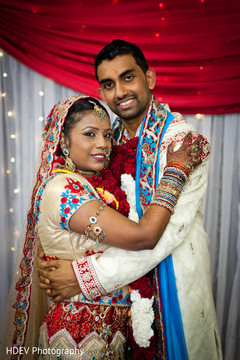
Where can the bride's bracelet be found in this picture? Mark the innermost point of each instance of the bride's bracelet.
(183, 168)
(94, 230)
(170, 187)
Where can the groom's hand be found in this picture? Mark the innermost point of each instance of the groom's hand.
(57, 278)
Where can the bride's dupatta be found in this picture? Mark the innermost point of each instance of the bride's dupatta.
(26, 304)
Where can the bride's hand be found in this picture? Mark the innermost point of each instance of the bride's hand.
(189, 155)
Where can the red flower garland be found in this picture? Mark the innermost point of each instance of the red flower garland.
(144, 286)
(140, 353)
(123, 161)
(107, 181)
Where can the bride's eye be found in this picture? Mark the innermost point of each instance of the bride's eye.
(89, 133)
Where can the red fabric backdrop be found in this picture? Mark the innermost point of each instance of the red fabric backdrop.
(194, 45)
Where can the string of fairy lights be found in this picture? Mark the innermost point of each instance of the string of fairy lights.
(10, 162)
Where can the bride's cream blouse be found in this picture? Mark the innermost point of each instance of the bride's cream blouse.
(56, 201)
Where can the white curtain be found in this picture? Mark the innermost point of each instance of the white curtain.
(26, 99)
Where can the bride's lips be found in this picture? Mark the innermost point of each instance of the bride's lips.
(99, 157)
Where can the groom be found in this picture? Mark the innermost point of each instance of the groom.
(183, 294)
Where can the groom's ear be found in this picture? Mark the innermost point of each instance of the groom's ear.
(151, 78)
(100, 92)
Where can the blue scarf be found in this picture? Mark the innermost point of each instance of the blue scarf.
(169, 330)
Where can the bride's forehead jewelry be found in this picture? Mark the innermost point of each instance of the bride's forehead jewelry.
(98, 110)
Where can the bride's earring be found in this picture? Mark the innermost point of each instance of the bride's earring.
(106, 164)
(69, 165)
(108, 155)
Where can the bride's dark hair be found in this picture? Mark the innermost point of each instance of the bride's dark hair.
(79, 108)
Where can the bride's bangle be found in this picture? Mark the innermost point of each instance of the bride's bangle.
(181, 167)
(170, 186)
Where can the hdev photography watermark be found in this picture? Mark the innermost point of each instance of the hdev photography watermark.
(22, 350)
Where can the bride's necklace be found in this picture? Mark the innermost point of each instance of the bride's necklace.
(85, 173)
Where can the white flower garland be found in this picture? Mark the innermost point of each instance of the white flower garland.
(142, 314)
(128, 185)
(142, 318)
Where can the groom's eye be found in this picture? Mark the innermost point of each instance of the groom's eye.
(108, 85)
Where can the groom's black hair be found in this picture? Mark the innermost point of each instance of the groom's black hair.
(121, 47)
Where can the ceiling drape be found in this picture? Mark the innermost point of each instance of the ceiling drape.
(194, 45)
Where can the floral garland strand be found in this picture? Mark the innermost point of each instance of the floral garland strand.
(109, 191)
(142, 341)
(123, 159)
(128, 186)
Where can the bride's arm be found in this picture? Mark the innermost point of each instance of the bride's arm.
(105, 225)
(116, 230)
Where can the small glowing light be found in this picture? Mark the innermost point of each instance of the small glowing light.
(201, 67)
(163, 18)
(10, 113)
(157, 35)
(41, 93)
(3, 94)
(202, 1)
(12, 159)
(12, 248)
(8, 172)
(16, 232)
(16, 191)
(1, 53)
(12, 136)
(11, 210)
(160, 5)
(4, 74)
(40, 118)
(199, 116)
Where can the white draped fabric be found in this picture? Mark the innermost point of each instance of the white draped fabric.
(27, 97)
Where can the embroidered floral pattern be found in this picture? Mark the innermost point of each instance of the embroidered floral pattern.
(147, 168)
(38, 198)
(71, 199)
(116, 298)
(179, 136)
(75, 187)
(99, 331)
(87, 278)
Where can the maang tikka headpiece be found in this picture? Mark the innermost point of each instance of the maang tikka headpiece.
(98, 110)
